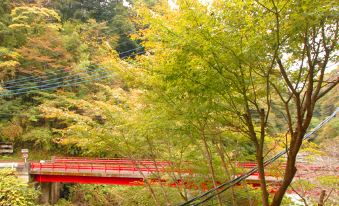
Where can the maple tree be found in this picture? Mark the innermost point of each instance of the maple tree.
(228, 57)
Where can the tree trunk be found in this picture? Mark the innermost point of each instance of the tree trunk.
(261, 170)
(290, 172)
(210, 165)
(221, 152)
(322, 198)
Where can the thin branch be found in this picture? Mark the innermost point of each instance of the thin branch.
(258, 2)
(323, 93)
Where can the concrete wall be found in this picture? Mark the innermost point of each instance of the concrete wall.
(50, 193)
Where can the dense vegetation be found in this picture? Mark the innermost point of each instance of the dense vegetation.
(204, 83)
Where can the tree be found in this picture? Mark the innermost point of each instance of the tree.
(44, 52)
(32, 20)
(311, 44)
(234, 55)
(5, 34)
(114, 14)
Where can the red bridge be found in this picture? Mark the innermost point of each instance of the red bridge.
(129, 172)
(125, 171)
(98, 171)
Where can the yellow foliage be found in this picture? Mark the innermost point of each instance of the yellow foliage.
(7, 64)
(12, 131)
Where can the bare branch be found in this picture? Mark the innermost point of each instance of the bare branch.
(323, 93)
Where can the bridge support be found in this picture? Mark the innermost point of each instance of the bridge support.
(50, 192)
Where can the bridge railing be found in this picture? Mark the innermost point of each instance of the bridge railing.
(110, 161)
(88, 165)
(58, 167)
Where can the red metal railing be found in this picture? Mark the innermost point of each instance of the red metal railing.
(86, 165)
(81, 167)
(111, 161)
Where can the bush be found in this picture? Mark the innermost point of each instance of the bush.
(15, 192)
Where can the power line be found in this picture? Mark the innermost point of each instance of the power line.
(51, 80)
(59, 71)
(57, 86)
(25, 79)
(51, 84)
(47, 86)
(141, 52)
(230, 183)
(137, 48)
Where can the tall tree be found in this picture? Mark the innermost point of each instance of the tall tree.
(237, 54)
(44, 52)
(116, 15)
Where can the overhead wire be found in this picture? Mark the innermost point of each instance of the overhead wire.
(230, 183)
(124, 42)
(53, 79)
(25, 79)
(53, 84)
(141, 52)
(135, 49)
(58, 71)
(57, 86)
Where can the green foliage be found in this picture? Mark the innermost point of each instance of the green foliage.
(14, 192)
(106, 195)
(303, 185)
(9, 62)
(7, 36)
(96, 195)
(93, 118)
(329, 181)
(11, 131)
(41, 138)
(115, 15)
(33, 19)
(220, 67)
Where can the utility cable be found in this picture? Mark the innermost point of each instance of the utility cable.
(57, 86)
(39, 87)
(51, 80)
(50, 84)
(137, 48)
(141, 52)
(59, 71)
